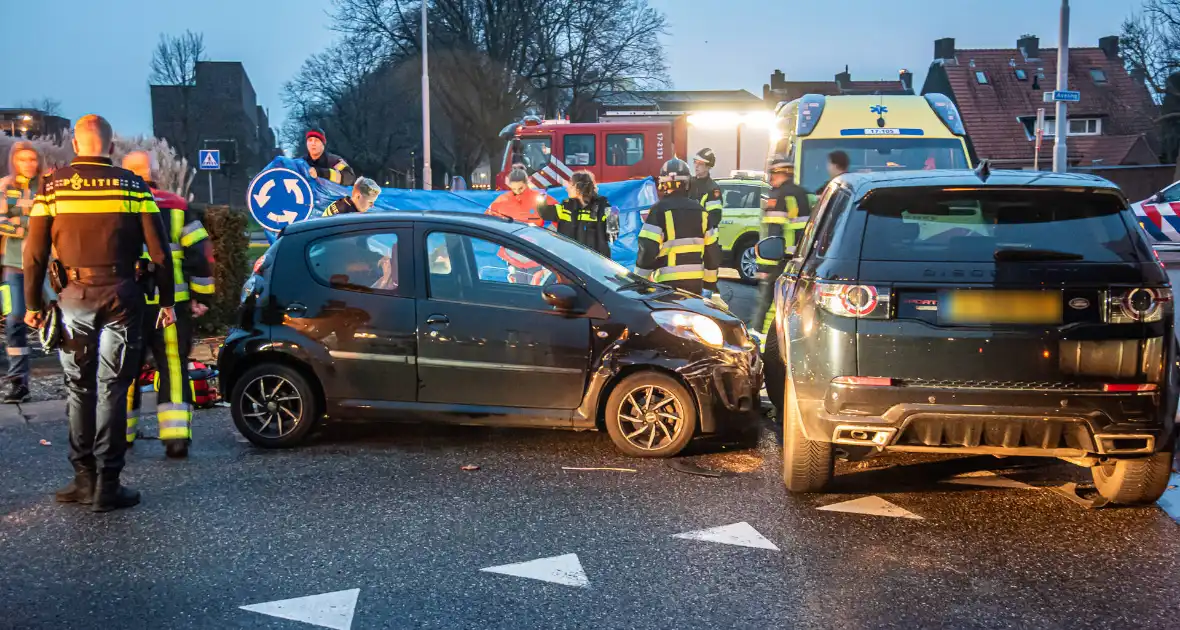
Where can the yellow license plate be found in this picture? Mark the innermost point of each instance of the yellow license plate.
(1001, 307)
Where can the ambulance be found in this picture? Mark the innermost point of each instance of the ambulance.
(878, 132)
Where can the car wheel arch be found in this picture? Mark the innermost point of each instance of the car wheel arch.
(629, 370)
(281, 358)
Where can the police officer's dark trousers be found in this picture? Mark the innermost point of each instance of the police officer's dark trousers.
(100, 340)
(170, 347)
(764, 310)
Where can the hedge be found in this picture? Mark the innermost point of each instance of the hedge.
(227, 229)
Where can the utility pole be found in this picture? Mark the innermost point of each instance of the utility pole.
(426, 175)
(1060, 155)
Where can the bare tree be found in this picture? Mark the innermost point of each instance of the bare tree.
(50, 106)
(174, 62)
(1150, 47)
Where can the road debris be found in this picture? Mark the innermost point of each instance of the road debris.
(469, 467)
(601, 468)
(46, 443)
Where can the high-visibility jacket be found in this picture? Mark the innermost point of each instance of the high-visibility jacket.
(192, 258)
(706, 192)
(787, 209)
(582, 222)
(526, 208)
(674, 244)
(332, 167)
(94, 214)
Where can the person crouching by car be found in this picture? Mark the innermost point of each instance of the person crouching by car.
(364, 195)
(583, 216)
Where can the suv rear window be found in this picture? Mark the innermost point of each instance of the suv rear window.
(972, 225)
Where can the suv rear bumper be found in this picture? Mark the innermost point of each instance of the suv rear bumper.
(1054, 423)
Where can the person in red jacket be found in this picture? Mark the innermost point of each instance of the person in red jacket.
(523, 204)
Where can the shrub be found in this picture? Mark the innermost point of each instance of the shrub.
(227, 229)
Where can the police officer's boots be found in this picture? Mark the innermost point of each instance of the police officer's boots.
(176, 449)
(80, 490)
(111, 495)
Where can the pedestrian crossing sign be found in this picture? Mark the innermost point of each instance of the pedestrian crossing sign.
(209, 159)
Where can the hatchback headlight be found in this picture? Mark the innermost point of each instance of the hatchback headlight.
(690, 326)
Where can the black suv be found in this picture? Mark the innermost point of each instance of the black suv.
(476, 320)
(1004, 313)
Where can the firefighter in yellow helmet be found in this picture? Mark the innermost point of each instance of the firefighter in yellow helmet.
(171, 345)
(786, 213)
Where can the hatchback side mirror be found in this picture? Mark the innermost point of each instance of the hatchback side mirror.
(1156, 198)
(560, 296)
(772, 248)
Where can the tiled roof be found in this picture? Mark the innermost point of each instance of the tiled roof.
(991, 111)
(1110, 150)
(656, 97)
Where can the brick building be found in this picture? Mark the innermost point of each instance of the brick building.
(780, 89)
(220, 111)
(998, 92)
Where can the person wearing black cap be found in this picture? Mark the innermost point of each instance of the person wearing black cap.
(326, 165)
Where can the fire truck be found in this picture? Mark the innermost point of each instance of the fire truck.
(618, 150)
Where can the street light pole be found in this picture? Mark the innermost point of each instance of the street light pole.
(1060, 155)
(426, 175)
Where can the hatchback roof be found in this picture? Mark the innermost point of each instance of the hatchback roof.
(864, 182)
(471, 219)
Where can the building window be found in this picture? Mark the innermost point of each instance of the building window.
(579, 150)
(1021, 75)
(1077, 126)
(1098, 75)
(981, 76)
(624, 149)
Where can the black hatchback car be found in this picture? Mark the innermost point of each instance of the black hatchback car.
(1005, 313)
(429, 316)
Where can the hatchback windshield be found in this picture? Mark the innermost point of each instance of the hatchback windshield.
(880, 154)
(590, 263)
(933, 225)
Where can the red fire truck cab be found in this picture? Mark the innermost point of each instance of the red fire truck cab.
(551, 150)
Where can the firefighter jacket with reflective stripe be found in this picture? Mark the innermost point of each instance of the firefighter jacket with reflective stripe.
(708, 193)
(582, 222)
(343, 205)
(674, 245)
(17, 194)
(787, 210)
(333, 168)
(95, 215)
(192, 268)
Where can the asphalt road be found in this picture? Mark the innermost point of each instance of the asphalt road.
(378, 526)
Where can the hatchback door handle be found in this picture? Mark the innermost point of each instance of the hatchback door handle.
(437, 320)
(295, 308)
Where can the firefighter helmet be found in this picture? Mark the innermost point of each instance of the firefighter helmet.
(707, 156)
(780, 164)
(674, 175)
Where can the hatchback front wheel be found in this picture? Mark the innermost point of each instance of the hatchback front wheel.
(274, 406)
(650, 415)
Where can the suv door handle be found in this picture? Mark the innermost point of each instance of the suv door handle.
(295, 308)
(438, 320)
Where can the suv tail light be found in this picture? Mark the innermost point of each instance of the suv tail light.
(1139, 304)
(863, 301)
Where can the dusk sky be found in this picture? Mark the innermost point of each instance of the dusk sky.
(96, 57)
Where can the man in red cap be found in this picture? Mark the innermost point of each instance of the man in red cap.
(326, 165)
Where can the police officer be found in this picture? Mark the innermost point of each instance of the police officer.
(364, 194)
(326, 165)
(97, 218)
(786, 212)
(674, 243)
(705, 191)
(170, 347)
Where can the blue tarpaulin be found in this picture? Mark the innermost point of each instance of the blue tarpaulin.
(629, 199)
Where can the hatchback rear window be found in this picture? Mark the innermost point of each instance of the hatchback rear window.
(971, 225)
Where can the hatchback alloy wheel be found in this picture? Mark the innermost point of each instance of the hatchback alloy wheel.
(650, 417)
(271, 406)
(748, 264)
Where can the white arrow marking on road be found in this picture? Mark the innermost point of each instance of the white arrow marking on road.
(565, 570)
(1170, 502)
(741, 534)
(263, 195)
(292, 186)
(326, 610)
(987, 479)
(874, 506)
(287, 217)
